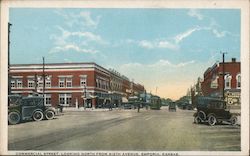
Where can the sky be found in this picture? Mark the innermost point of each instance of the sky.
(166, 50)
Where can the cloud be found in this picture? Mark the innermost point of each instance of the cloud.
(82, 19)
(75, 41)
(72, 47)
(178, 38)
(159, 64)
(157, 44)
(195, 13)
(146, 44)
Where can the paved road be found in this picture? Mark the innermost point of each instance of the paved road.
(124, 130)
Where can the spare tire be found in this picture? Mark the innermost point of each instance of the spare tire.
(14, 118)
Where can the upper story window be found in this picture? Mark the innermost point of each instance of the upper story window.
(19, 83)
(69, 82)
(13, 83)
(238, 80)
(61, 82)
(83, 82)
(228, 78)
(48, 82)
(31, 83)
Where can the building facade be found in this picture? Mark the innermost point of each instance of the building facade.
(212, 84)
(68, 84)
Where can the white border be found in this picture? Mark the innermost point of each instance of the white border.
(237, 4)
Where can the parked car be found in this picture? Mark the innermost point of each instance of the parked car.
(212, 111)
(26, 108)
(172, 106)
(128, 106)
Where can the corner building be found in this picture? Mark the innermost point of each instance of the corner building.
(212, 84)
(69, 84)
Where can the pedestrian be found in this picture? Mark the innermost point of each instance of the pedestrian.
(138, 107)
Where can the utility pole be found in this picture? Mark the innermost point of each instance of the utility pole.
(43, 77)
(223, 75)
(9, 77)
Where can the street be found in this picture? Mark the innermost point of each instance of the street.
(123, 130)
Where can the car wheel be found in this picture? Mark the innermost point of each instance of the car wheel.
(202, 115)
(233, 120)
(14, 118)
(49, 115)
(197, 120)
(211, 120)
(38, 115)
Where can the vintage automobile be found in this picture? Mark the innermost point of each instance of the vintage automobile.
(26, 108)
(212, 111)
(172, 106)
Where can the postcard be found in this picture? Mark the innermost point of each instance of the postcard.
(124, 78)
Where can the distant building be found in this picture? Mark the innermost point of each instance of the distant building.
(71, 84)
(212, 84)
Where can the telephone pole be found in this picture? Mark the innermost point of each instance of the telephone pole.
(9, 77)
(43, 77)
(223, 75)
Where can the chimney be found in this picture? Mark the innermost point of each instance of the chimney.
(233, 59)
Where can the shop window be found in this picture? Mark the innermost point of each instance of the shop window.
(47, 99)
(65, 99)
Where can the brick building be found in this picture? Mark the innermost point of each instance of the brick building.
(70, 84)
(212, 84)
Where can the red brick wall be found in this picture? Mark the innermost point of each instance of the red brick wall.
(233, 68)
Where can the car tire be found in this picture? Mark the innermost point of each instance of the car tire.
(233, 120)
(14, 118)
(197, 120)
(202, 115)
(49, 115)
(212, 120)
(37, 116)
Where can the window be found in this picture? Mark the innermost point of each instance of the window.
(61, 82)
(61, 99)
(83, 82)
(31, 83)
(97, 83)
(68, 99)
(47, 98)
(65, 99)
(228, 78)
(40, 82)
(238, 79)
(13, 83)
(19, 83)
(48, 82)
(69, 82)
